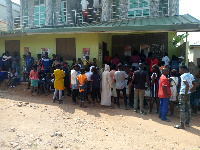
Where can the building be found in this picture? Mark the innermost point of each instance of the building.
(120, 27)
(3, 16)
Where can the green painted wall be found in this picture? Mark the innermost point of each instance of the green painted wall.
(36, 42)
(171, 49)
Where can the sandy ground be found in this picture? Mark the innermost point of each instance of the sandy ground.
(43, 125)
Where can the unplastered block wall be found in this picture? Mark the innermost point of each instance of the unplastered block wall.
(36, 42)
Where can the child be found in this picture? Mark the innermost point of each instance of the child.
(58, 82)
(154, 87)
(34, 79)
(173, 87)
(82, 81)
(95, 82)
(38, 62)
(24, 71)
(13, 77)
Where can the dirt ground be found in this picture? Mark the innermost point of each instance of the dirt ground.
(43, 125)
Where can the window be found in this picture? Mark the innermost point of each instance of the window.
(163, 7)
(25, 14)
(64, 11)
(138, 8)
(39, 12)
(66, 48)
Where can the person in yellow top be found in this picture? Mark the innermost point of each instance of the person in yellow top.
(82, 80)
(58, 82)
(87, 61)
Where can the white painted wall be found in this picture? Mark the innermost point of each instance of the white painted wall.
(193, 54)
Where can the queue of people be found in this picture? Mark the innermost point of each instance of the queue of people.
(168, 81)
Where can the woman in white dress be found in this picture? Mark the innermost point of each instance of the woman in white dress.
(173, 87)
(106, 87)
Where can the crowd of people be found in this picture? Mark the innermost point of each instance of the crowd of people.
(168, 82)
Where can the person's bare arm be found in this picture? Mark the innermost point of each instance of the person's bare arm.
(194, 86)
(186, 90)
(165, 91)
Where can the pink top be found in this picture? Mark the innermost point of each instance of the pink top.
(135, 59)
(112, 72)
(33, 75)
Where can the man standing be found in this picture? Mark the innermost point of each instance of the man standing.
(140, 77)
(74, 83)
(120, 77)
(164, 94)
(29, 62)
(46, 63)
(187, 80)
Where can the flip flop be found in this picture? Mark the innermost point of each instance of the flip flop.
(178, 127)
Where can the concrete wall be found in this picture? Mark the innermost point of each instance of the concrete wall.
(36, 42)
(193, 54)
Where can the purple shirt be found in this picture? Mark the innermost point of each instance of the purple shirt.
(96, 81)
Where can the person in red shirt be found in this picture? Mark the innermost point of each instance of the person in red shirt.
(164, 94)
(107, 58)
(154, 61)
(115, 61)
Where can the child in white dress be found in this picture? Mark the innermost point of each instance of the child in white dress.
(173, 87)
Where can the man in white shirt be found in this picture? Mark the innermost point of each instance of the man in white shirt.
(166, 59)
(74, 83)
(120, 79)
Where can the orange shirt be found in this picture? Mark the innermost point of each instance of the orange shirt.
(107, 58)
(161, 68)
(81, 79)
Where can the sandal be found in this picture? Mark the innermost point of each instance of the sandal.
(179, 127)
(143, 113)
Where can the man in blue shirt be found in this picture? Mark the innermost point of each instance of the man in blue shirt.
(187, 80)
(46, 63)
(29, 62)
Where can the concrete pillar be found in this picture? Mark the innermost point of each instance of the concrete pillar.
(31, 4)
(9, 15)
(49, 13)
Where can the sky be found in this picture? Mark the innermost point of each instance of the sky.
(186, 7)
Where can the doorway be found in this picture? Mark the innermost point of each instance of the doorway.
(12, 46)
(104, 50)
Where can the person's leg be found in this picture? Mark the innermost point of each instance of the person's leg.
(125, 97)
(93, 95)
(99, 95)
(54, 95)
(182, 110)
(136, 94)
(60, 95)
(151, 104)
(83, 99)
(188, 109)
(118, 95)
(74, 95)
(157, 103)
(172, 107)
(141, 98)
(165, 109)
(160, 108)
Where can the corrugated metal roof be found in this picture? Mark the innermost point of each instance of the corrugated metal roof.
(181, 23)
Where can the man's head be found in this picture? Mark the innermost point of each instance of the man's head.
(107, 53)
(39, 56)
(76, 67)
(58, 66)
(87, 58)
(57, 58)
(162, 63)
(82, 71)
(53, 56)
(119, 66)
(74, 60)
(7, 53)
(183, 69)
(166, 54)
(94, 60)
(113, 66)
(165, 71)
(15, 53)
(141, 66)
(79, 60)
(46, 55)
(29, 54)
